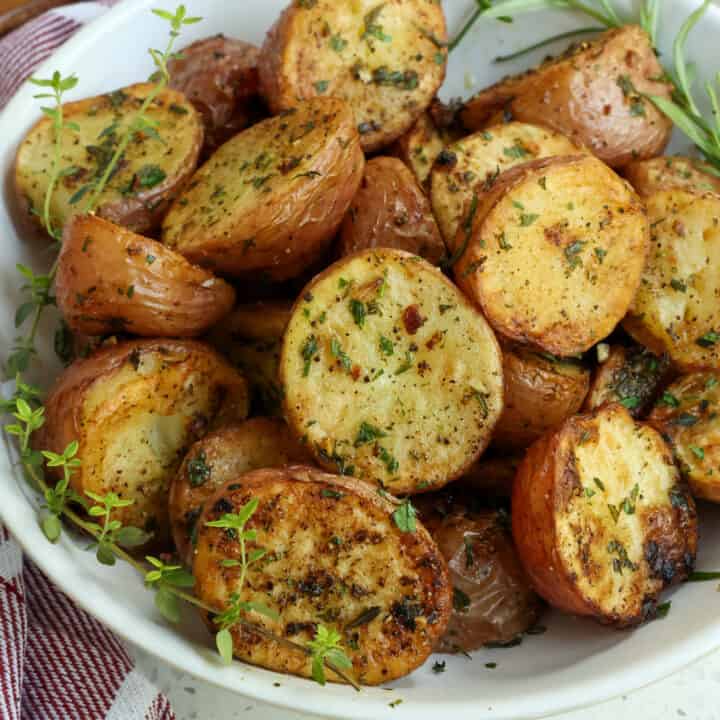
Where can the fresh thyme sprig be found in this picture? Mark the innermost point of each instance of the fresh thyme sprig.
(327, 649)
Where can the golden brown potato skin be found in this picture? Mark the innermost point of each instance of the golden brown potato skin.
(219, 76)
(220, 457)
(135, 408)
(541, 392)
(593, 94)
(582, 558)
(261, 320)
(667, 173)
(111, 280)
(333, 553)
(391, 210)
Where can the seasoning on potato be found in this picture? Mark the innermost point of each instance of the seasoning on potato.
(671, 173)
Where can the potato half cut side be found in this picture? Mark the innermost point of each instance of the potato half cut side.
(270, 200)
(334, 556)
(541, 391)
(389, 373)
(601, 519)
(671, 173)
(218, 458)
(687, 414)
(135, 408)
(554, 252)
(391, 210)
(387, 60)
(111, 280)
(594, 94)
(152, 172)
(676, 308)
(480, 158)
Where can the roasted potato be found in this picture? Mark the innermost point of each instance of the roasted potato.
(111, 280)
(676, 308)
(389, 372)
(541, 391)
(491, 476)
(594, 94)
(391, 210)
(553, 252)
(333, 555)
(671, 173)
(262, 320)
(135, 408)
(480, 158)
(386, 60)
(219, 76)
(630, 376)
(270, 200)
(687, 414)
(218, 458)
(151, 174)
(601, 519)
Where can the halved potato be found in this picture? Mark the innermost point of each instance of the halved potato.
(390, 373)
(594, 93)
(601, 518)
(480, 159)
(135, 408)
(334, 556)
(270, 200)
(387, 60)
(218, 458)
(541, 391)
(671, 173)
(676, 308)
(687, 414)
(152, 172)
(554, 252)
(391, 210)
(110, 280)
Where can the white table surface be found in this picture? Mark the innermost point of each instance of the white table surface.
(693, 693)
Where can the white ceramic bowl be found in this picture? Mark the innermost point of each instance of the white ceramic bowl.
(575, 663)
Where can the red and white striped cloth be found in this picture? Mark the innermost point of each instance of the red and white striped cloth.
(57, 662)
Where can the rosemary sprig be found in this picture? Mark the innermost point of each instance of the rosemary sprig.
(548, 41)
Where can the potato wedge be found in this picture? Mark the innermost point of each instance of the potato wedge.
(334, 555)
(390, 373)
(676, 308)
(391, 210)
(218, 458)
(481, 158)
(541, 391)
(270, 200)
(135, 408)
(139, 193)
(594, 94)
(219, 76)
(387, 60)
(554, 252)
(687, 414)
(601, 519)
(671, 173)
(112, 280)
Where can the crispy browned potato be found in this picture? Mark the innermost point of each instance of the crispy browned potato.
(152, 172)
(219, 76)
(687, 414)
(671, 173)
(594, 94)
(391, 210)
(541, 391)
(601, 519)
(135, 408)
(554, 252)
(218, 458)
(261, 320)
(387, 60)
(111, 280)
(390, 373)
(334, 556)
(270, 200)
(676, 310)
(630, 376)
